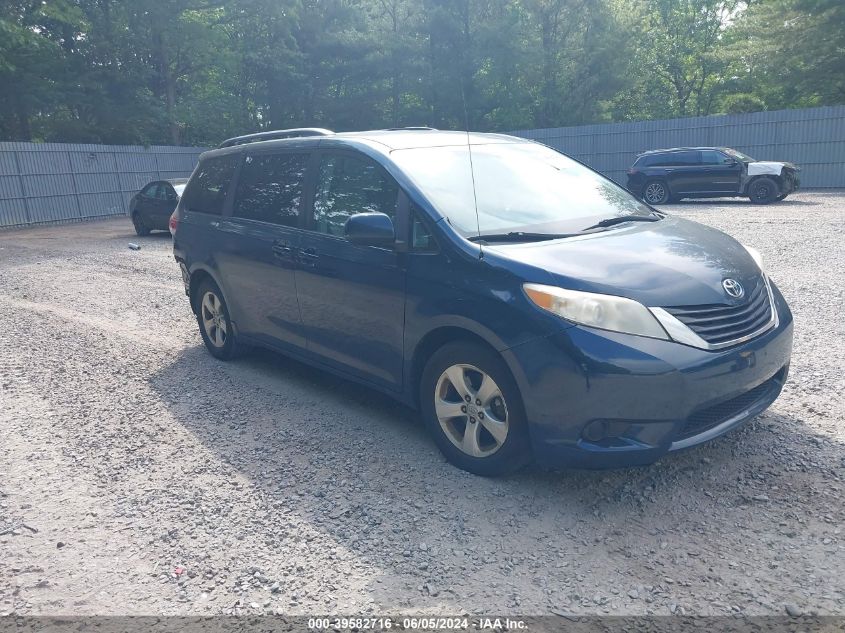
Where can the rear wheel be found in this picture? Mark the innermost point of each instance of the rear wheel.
(214, 322)
(141, 228)
(656, 192)
(763, 191)
(473, 409)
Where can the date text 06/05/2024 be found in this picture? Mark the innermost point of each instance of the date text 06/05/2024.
(416, 623)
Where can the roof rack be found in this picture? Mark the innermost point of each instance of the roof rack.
(275, 135)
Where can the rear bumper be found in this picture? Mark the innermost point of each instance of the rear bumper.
(635, 186)
(648, 396)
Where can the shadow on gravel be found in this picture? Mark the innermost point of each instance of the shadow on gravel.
(155, 236)
(361, 469)
(725, 202)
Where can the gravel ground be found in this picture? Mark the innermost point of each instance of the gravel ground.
(140, 476)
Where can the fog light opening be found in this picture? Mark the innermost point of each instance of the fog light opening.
(604, 431)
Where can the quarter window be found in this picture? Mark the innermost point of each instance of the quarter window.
(270, 188)
(348, 185)
(421, 238)
(206, 192)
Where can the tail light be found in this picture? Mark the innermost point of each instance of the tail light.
(174, 223)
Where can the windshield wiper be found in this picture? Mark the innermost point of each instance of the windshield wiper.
(624, 218)
(519, 236)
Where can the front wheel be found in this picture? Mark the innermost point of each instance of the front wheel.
(781, 197)
(473, 409)
(656, 192)
(763, 191)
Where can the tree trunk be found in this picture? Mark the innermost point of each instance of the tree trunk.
(167, 81)
(22, 115)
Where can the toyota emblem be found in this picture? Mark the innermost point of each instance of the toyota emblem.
(733, 288)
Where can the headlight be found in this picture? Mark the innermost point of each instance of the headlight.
(756, 256)
(602, 311)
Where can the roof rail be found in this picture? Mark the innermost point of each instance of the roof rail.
(412, 127)
(274, 135)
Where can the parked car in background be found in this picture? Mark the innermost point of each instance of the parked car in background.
(525, 304)
(150, 208)
(669, 175)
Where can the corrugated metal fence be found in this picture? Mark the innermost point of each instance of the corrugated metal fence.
(53, 182)
(812, 138)
(57, 182)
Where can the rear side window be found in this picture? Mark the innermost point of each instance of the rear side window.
(681, 158)
(270, 188)
(713, 157)
(348, 185)
(206, 192)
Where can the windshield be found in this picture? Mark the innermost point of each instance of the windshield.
(745, 158)
(518, 187)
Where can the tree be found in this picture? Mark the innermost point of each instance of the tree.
(196, 71)
(677, 45)
(792, 52)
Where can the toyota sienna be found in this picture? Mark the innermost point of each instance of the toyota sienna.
(526, 305)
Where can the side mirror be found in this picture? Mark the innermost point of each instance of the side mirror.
(370, 229)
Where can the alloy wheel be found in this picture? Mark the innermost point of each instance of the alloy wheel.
(214, 319)
(471, 410)
(655, 192)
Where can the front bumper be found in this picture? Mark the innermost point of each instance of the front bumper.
(656, 396)
(792, 182)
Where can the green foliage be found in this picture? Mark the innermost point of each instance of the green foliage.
(742, 103)
(793, 52)
(197, 71)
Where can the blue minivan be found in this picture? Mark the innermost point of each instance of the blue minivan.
(529, 307)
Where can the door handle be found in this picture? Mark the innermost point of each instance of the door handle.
(309, 256)
(282, 249)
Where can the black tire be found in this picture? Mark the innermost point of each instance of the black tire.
(141, 229)
(781, 197)
(656, 192)
(220, 338)
(763, 191)
(507, 456)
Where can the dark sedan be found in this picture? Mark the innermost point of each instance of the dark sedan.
(151, 207)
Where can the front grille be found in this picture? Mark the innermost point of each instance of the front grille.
(710, 417)
(721, 323)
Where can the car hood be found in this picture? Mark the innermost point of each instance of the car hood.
(673, 262)
(769, 168)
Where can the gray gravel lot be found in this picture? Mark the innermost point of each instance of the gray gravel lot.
(140, 476)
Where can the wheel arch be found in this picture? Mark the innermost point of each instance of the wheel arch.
(435, 340)
(777, 178)
(198, 276)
